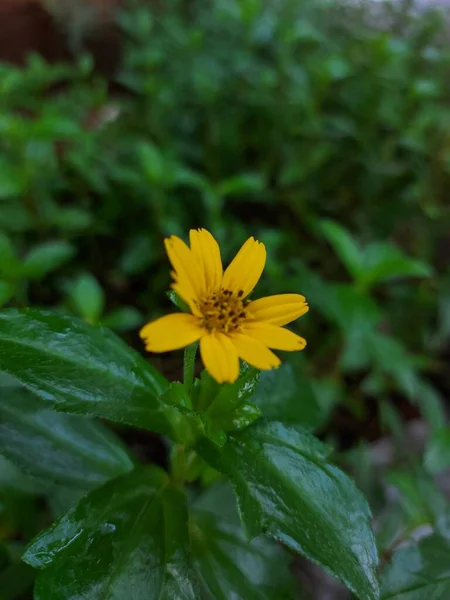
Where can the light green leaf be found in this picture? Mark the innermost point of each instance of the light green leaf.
(123, 319)
(65, 449)
(127, 539)
(287, 488)
(345, 247)
(87, 297)
(437, 455)
(152, 163)
(228, 565)
(81, 369)
(383, 261)
(419, 571)
(46, 258)
(246, 183)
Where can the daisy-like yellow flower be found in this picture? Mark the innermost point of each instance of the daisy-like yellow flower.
(228, 325)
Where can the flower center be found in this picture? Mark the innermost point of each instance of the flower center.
(224, 311)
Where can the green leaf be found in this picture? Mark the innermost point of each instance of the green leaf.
(7, 291)
(9, 265)
(228, 565)
(382, 261)
(345, 247)
(177, 301)
(86, 370)
(286, 395)
(287, 489)
(246, 183)
(226, 406)
(123, 319)
(437, 455)
(419, 571)
(46, 258)
(13, 181)
(87, 298)
(65, 449)
(152, 163)
(127, 539)
(72, 219)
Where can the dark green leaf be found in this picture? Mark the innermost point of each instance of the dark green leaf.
(287, 488)
(419, 571)
(227, 564)
(7, 291)
(46, 258)
(286, 395)
(127, 539)
(15, 581)
(13, 181)
(55, 447)
(82, 369)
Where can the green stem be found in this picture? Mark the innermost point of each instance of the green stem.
(189, 365)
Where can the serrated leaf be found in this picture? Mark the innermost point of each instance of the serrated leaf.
(227, 564)
(81, 369)
(287, 488)
(65, 449)
(127, 539)
(46, 258)
(344, 245)
(419, 571)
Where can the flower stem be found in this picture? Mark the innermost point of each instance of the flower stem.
(189, 365)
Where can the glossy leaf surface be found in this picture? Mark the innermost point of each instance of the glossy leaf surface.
(65, 449)
(82, 369)
(227, 564)
(287, 488)
(127, 539)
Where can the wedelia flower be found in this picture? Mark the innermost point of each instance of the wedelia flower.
(228, 324)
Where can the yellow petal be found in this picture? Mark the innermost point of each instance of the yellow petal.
(219, 357)
(245, 269)
(278, 310)
(275, 337)
(207, 252)
(171, 332)
(189, 275)
(254, 352)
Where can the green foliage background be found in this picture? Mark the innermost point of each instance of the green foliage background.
(322, 130)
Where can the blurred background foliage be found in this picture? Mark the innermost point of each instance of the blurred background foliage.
(321, 128)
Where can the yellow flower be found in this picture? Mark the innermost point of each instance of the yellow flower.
(228, 325)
